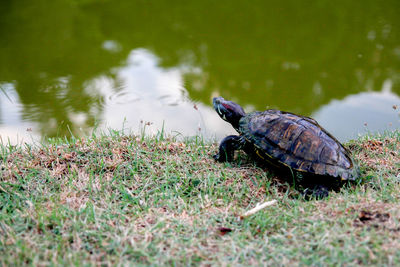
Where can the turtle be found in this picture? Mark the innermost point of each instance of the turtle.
(314, 160)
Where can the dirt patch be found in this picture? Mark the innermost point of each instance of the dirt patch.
(367, 217)
(366, 214)
(376, 215)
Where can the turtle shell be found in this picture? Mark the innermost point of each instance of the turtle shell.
(297, 142)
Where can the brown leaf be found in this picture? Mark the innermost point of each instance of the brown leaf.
(366, 216)
(224, 230)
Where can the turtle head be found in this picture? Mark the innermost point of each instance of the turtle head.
(228, 111)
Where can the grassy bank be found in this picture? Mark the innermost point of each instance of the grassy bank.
(119, 199)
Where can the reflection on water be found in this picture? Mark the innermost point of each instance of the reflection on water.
(12, 128)
(143, 92)
(139, 95)
(367, 112)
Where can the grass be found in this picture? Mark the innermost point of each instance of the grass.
(140, 200)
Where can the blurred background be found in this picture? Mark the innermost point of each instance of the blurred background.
(68, 67)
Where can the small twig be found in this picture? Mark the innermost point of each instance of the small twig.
(257, 209)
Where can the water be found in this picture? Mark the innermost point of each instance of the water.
(69, 67)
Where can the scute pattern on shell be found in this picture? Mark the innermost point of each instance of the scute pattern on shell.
(298, 142)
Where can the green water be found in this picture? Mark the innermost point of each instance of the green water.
(69, 66)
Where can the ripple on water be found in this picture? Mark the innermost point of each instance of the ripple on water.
(122, 97)
(169, 100)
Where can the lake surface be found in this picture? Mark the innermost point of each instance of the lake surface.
(71, 67)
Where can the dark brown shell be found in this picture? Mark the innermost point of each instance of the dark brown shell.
(297, 142)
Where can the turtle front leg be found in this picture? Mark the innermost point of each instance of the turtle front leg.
(228, 146)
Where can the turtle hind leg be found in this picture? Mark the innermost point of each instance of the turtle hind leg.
(316, 192)
(227, 148)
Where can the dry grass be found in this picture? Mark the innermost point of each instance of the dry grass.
(118, 199)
